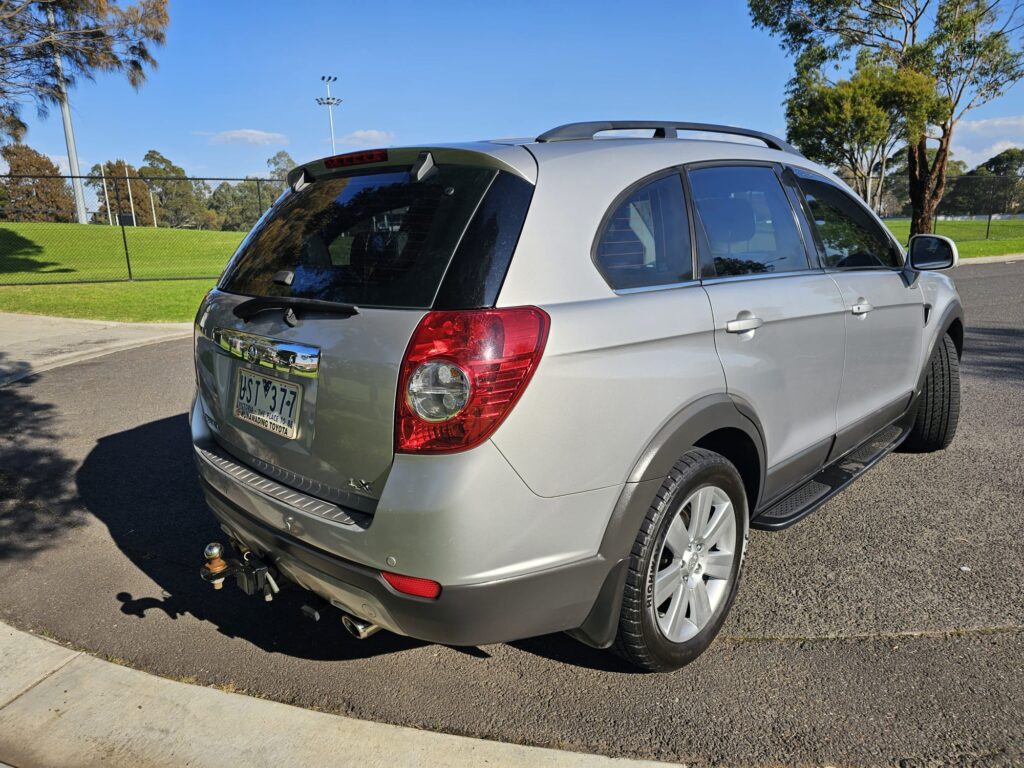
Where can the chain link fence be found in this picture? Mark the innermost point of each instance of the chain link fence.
(974, 207)
(136, 227)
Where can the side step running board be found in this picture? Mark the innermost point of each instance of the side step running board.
(806, 498)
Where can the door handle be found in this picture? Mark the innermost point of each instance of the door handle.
(743, 324)
(862, 307)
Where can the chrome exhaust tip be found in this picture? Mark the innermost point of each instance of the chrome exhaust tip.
(358, 628)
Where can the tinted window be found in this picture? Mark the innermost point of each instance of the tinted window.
(747, 225)
(374, 239)
(849, 237)
(647, 239)
(478, 268)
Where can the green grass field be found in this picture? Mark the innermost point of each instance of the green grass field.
(36, 252)
(64, 253)
(1005, 237)
(139, 302)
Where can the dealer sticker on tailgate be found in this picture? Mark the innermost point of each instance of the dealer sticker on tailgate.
(268, 403)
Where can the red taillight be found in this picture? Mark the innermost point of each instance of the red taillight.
(496, 349)
(411, 585)
(357, 158)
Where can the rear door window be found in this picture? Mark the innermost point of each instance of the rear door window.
(746, 225)
(849, 237)
(646, 240)
(373, 239)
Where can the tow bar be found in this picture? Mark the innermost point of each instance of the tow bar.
(252, 575)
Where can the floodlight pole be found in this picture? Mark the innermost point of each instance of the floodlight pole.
(128, 183)
(330, 102)
(69, 132)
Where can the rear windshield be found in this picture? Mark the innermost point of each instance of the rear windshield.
(373, 239)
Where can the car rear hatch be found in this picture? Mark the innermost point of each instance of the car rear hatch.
(298, 348)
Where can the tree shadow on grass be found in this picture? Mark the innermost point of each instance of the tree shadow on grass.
(19, 254)
(37, 503)
(142, 484)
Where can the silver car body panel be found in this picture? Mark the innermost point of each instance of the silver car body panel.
(791, 368)
(608, 381)
(883, 345)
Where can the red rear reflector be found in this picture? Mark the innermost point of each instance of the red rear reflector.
(357, 158)
(410, 585)
(497, 349)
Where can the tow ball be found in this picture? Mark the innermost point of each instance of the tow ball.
(252, 575)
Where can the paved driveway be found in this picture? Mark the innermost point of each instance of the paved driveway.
(888, 627)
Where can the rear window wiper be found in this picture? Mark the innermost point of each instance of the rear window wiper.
(251, 307)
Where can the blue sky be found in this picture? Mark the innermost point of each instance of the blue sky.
(237, 80)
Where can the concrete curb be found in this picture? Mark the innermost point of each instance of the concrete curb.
(1009, 258)
(30, 344)
(63, 707)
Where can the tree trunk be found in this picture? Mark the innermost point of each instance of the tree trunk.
(921, 220)
(880, 190)
(939, 167)
(919, 184)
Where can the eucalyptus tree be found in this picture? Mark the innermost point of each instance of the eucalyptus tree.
(969, 48)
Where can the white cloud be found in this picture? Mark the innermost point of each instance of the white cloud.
(975, 157)
(975, 141)
(248, 136)
(367, 137)
(994, 126)
(62, 163)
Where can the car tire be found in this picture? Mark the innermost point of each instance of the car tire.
(658, 634)
(938, 408)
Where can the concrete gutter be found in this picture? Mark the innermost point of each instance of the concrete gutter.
(33, 343)
(63, 707)
(1009, 258)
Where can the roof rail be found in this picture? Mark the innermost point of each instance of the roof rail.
(662, 130)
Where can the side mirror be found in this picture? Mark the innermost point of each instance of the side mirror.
(933, 252)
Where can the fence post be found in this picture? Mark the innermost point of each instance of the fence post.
(120, 222)
(988, 227)
(259, 197)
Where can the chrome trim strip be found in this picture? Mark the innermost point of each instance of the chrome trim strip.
(649, 288)
(282, 356)
(762, 276)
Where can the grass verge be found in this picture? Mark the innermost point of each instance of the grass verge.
(143, 302)
(1006, 236)
(41, 252)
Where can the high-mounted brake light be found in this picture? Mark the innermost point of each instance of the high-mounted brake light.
(357, 158)
(412, 585)
(462, 373)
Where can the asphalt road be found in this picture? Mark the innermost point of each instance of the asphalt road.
(887, 628)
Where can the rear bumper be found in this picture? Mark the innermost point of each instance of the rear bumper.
(539, 603)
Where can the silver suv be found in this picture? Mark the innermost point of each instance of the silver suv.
(480, 392)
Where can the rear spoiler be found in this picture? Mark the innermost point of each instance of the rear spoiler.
(421, 159)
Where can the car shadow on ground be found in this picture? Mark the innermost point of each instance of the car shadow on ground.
(142, 485)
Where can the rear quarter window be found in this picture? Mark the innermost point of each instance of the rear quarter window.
(645, 241)
(372, 239)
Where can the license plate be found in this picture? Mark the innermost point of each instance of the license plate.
(268, 403)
